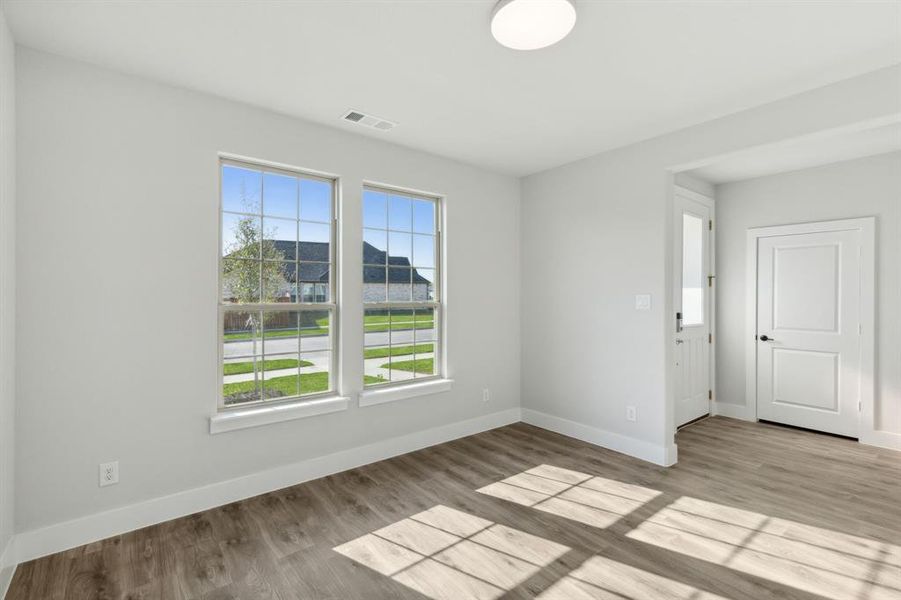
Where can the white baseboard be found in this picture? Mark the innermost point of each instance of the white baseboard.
(6, 578)
(8, 565)
(883, 439)
(654, 453)
(735, 411)
(70, 534)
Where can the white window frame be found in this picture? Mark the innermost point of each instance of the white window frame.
(437, 304)
(331, 306)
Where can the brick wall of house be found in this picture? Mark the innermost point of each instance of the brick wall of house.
(375, 292)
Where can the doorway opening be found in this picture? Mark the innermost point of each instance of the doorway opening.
(790, 284)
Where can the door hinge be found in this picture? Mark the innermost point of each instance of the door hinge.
(710, 394)
(710, 279)
(858, 406)
(710, 225)
(709, 338)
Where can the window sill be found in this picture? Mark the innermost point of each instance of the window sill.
(402, 392)
(242, 418)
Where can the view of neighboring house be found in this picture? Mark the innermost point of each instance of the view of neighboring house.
(396, 276)
(312, 283)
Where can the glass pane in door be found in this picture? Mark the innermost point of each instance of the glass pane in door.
(692, 270)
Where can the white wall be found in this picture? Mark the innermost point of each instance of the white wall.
(7, 293)
(7, 298)
(860, 188)
(118, 230)
(596, 232)
(695, 184)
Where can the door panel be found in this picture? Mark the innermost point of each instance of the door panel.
(808, 348)
(691, 298)
(805, 378)
(812, 306)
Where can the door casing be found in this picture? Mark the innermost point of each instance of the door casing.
(867, 228)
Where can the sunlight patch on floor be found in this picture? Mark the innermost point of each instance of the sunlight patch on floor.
(600, 578)
(819, 561)
(445, 553)
(595, 501)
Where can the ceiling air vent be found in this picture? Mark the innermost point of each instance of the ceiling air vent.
(371, 121)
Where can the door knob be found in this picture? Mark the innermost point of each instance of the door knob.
(678, 341)
(764, 338)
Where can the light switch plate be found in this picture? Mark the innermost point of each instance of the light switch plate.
(642, 302)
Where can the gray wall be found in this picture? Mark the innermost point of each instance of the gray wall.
(859, 188)
(701, 186)
(118, 191)
(7, 288)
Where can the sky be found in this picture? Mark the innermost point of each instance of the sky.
(402, 225)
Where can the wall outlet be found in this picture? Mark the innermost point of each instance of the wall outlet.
(109, 473)
(486, 395)
(631, 413)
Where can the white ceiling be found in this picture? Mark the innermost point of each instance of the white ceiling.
(804, 153)
(629, 70)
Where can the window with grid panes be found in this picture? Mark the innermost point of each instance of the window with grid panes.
(277, 306)
(401, 295)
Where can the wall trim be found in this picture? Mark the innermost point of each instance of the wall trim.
(882, 439)
(659, 455)
(734, 411)
(84, 530)
(8, 565)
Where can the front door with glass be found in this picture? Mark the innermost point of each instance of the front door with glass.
(692, 219)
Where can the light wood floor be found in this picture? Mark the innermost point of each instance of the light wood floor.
(751, 511)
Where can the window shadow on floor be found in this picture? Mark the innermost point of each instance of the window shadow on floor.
(657, 546)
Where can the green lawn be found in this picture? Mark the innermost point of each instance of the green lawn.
(374, 323)
(397, 351)
(421, 365)
(268, 365)
(310, 383)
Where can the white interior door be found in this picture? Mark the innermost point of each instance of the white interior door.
(808, 330)
(692, 218)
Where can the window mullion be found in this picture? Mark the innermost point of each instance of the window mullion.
(400, 305)
(269, 307)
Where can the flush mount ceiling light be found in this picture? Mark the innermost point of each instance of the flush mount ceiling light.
(532, 24)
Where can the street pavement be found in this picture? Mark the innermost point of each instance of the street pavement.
(289, 345)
